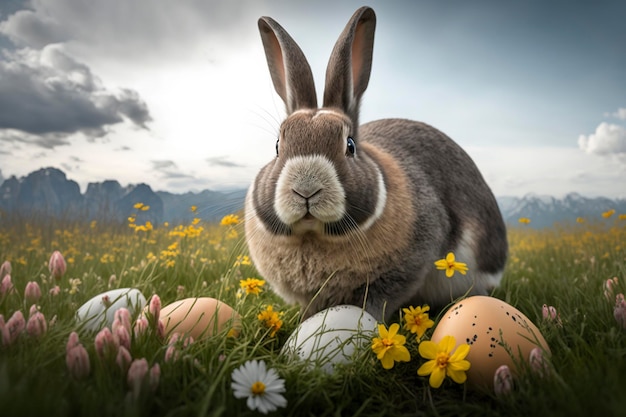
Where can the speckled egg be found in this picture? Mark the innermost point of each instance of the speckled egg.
(497, 333)
(331, 336)
(199, 317)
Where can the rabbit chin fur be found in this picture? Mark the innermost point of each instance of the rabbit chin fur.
(358, 214)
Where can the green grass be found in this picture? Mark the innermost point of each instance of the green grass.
(564, 267)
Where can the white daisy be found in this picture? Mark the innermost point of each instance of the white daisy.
(261, 386)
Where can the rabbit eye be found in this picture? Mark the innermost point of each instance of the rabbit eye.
(351, 147)
(277, 140)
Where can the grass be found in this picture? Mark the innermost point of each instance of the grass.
(563, 266)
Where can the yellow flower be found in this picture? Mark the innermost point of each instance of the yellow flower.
(230, 219)
(194, 208)
(389, 347)
(242, 260)
(622, 216)
(138, 206)
(450, 265)
(144, 208)
(443, 362)
(271, 320)
(416, 320)
(252, 285)
(580, 219)
(524, 220)
(608, 213)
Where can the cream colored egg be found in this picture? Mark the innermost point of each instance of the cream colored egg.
(199, 317)
(498, 334)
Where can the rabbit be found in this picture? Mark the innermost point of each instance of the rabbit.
(349, 214)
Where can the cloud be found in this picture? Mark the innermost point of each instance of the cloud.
(49, 93)
(168, 169)
(222, 161)
(620, 113)
(47, 141)
(133, 30)
(608, 139)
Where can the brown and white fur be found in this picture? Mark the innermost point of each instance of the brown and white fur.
(349, 214)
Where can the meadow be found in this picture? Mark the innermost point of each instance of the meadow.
(565, 267)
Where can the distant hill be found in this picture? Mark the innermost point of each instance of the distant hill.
(544, 211)
(49, 192)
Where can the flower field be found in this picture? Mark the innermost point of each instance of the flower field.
(569, 280)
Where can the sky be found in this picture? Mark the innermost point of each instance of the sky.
(177, 94)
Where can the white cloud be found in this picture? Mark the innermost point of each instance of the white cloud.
(620, 113)
(550, 170)
(608, 139)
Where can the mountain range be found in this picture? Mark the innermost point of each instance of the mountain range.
(49, 192)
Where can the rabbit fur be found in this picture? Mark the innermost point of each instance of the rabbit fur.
(349, 214)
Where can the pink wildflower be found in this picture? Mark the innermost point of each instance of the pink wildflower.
(5, 337)
(122, 336)
(57, 265)
(106, 345)
(502, 381)
(54, 291)
(77, 358)
(122, 318)
(139, 374)
(5, 269)
(123, 358)
(155, 307)
(610, 285)
(6, 286)
(550, 314)
(619, 311)
(32, 292)
(538, 362)
(36, 325)
(141, 327)
(15, 325)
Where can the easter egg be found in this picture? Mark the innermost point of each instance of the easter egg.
(498, 334)
(199, 317)
(331, 336)
(99, 311)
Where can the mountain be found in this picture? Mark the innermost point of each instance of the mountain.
(48, 191)
(544, 211)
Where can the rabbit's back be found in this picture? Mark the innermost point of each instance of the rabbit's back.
(448, 191)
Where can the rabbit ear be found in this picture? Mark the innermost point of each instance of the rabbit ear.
(348, 71)
(290, 71)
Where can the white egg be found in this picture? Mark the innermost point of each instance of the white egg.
(331, 336)
(99, 312)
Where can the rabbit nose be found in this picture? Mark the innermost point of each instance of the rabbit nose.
(305, 193)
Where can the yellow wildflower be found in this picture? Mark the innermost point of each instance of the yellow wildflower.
(144, 208)
(416, 320)
(524, 220)
(138, 206)
(450, 265)
(443, 362)
(252, 285)
(242, 260)
(230, 219)
(608, 213)
(271, 320)
(194, 208)
(389, 347)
